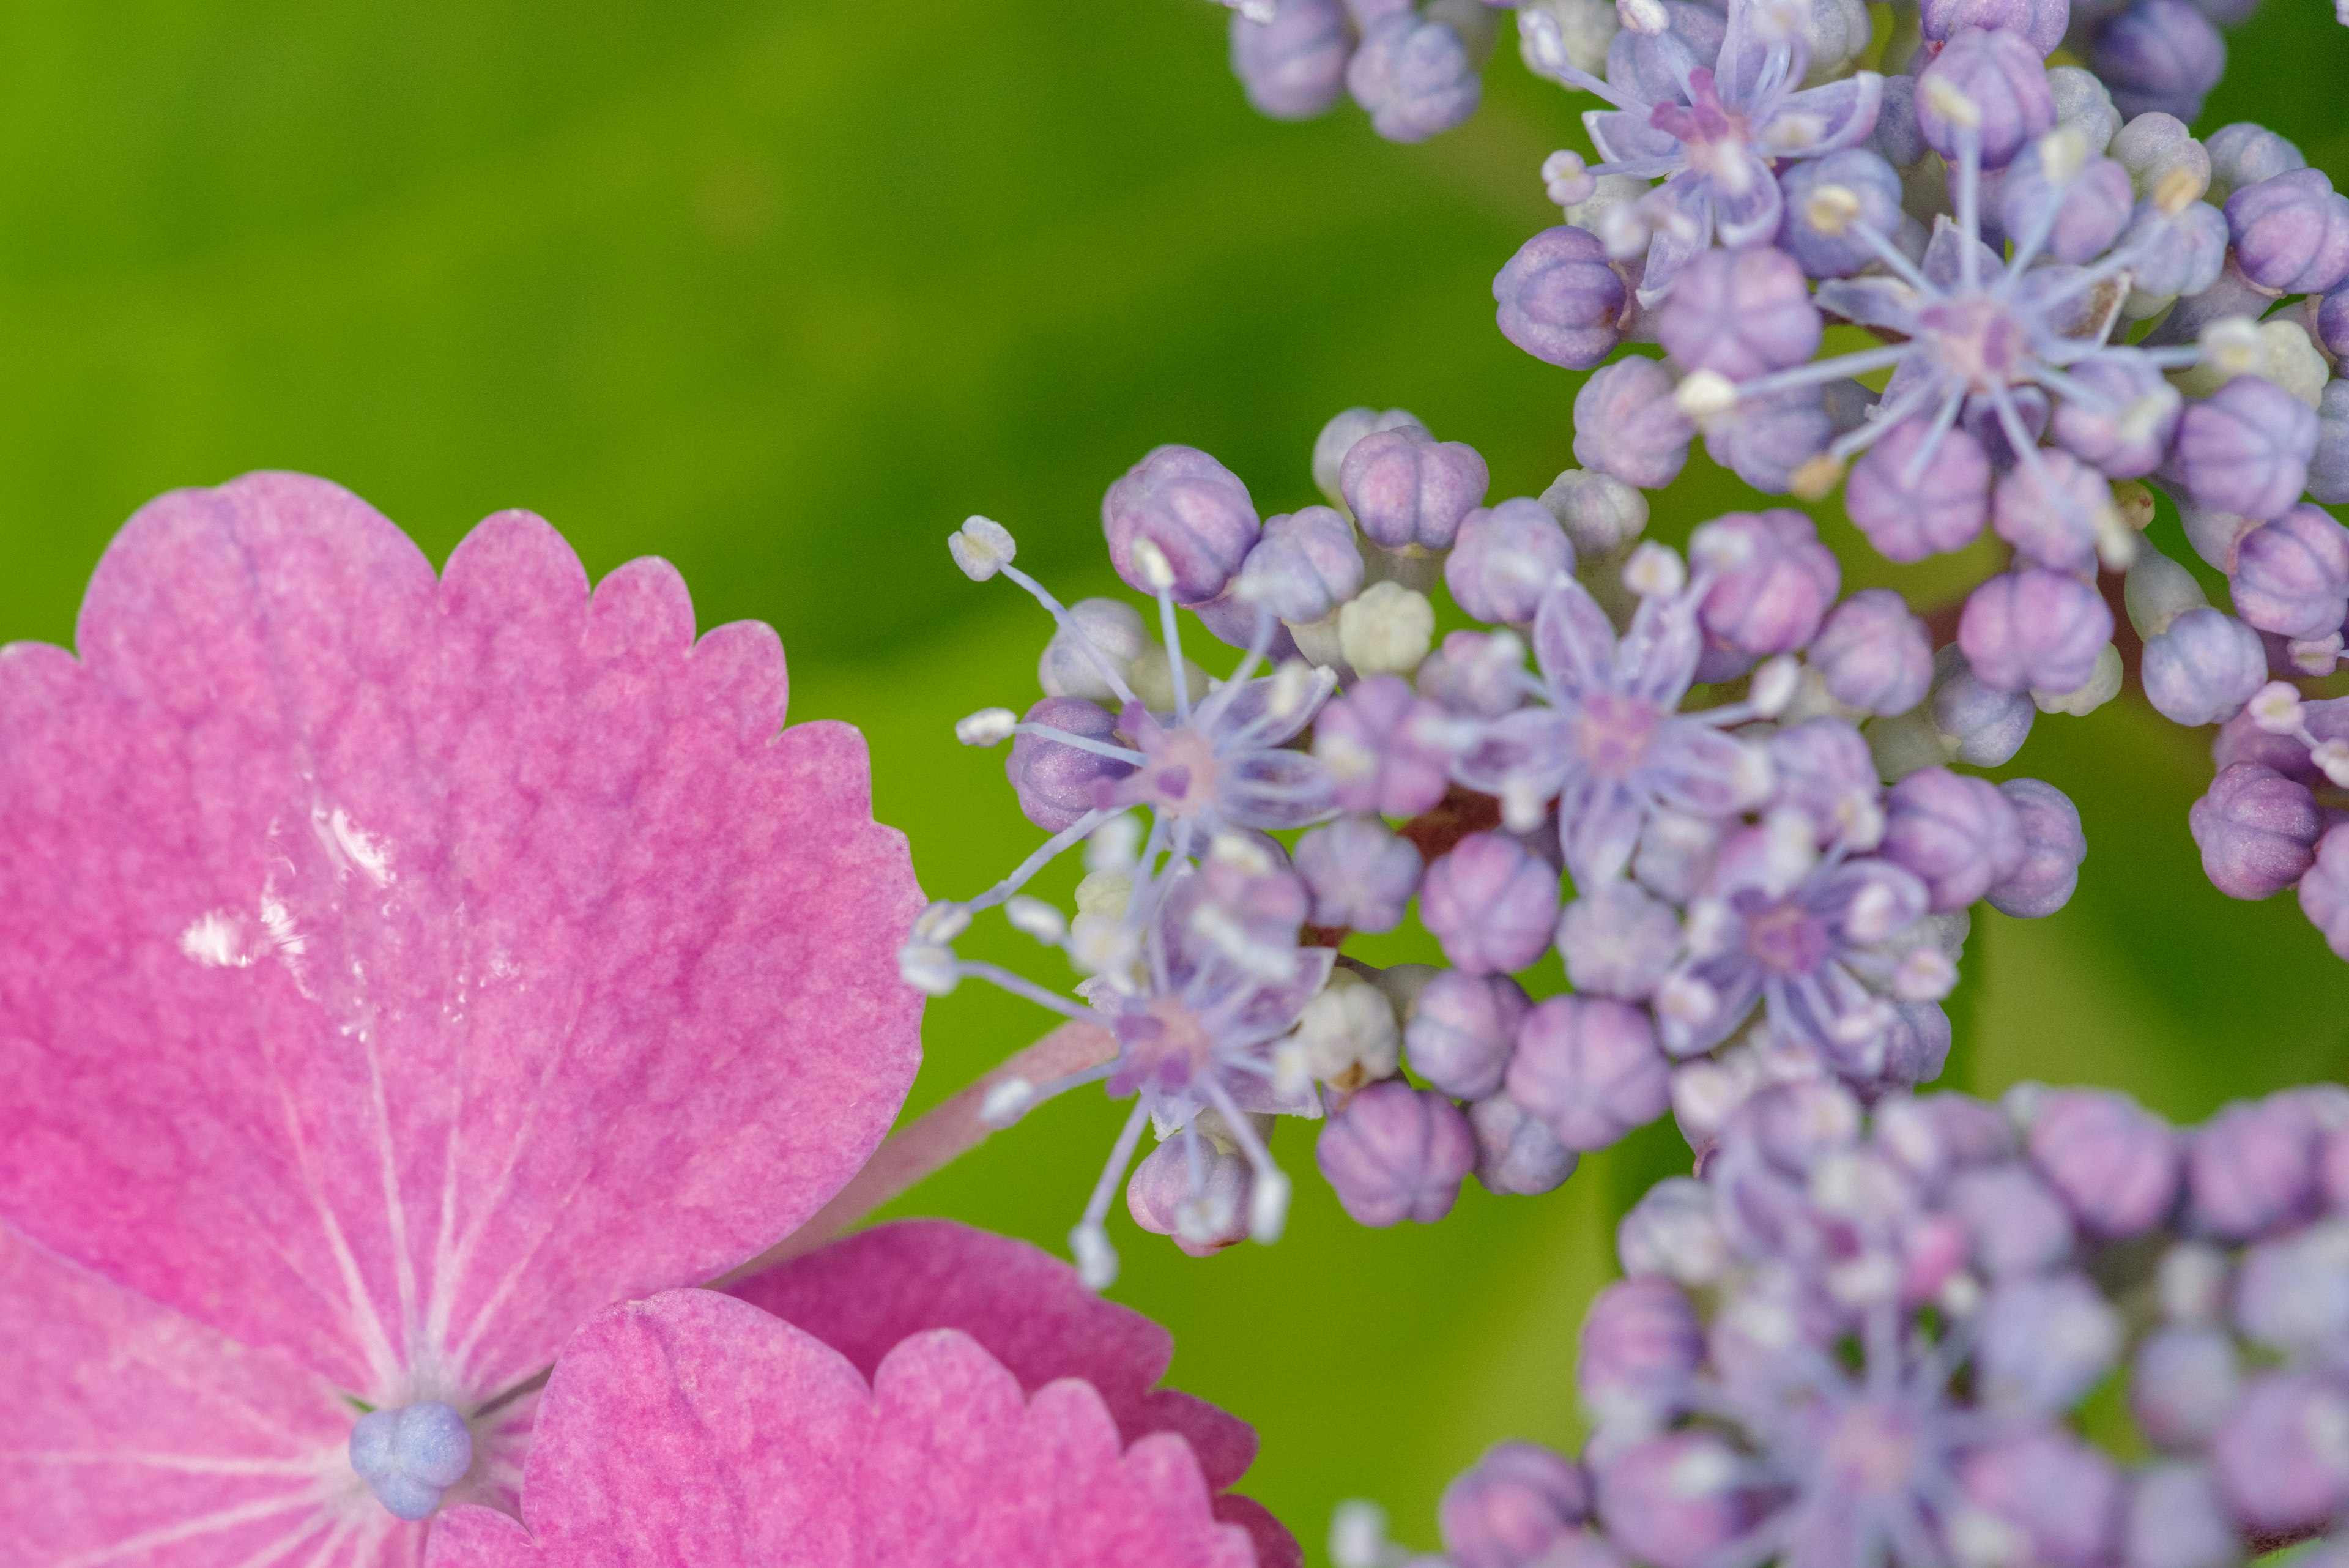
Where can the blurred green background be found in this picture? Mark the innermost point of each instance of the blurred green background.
(781, 292)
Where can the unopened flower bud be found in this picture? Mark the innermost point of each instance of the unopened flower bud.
(1395, 1153)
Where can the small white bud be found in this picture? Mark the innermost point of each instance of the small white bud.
(982, 547)
(2230, 345)
(1773, 686)
(1037, 918)
(1567, 180)
(1006, 1102)
(1387, 630)
(1653, 569)
(1096, 1258)
(2275, 708)
(1156, 570)
(987, 727)
(1268, 1206)
(1705, 395)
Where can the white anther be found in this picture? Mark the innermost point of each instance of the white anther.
(1237, 849)
(1037, 918)
(1260, 12)
(1831, 210)
(1293, 685)
(2179, 187)
(987, 727)
(1114, 845)
(2315, 655)
(1006, 1100)
(1950, 101)
(1096, 1258)
(1358, 1528)
(1789, 848)
(1709, 928)
(2333, 756)
(1625, 230)
(942, 922)
(1567, 178)
(1157, 571)
(1686, 1000)
(1925, 974)
(1705, 395)
(928, 968)
(2276, 708)
(1860, 820)
(1753, 775)
(1653, 570)
(1292, 1071)
(982, 547)
(1523, 805)
(2230, 345)
(2062, 153)
(1349, 1034)
(2117, 541)
(1544, 43)
(1648, 16)
(1204, 1220)
(1775, 685)
(1875, 914)
(1268, 1206)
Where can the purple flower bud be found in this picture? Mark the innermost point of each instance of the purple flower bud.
(2176, 1519)
(1193, 508)
(1873, 654)
(2328, 466)
(1619, 941)
(1911, 508)
(1203, 1220)
(2185, 1382)
(2291, 232)
(2128, 435)
(1380, 747)
(2182, 253)
(2325, 899)
(1461, 1029)
(2035, 631)
(2291, 1294)
(1896, 136)
(2291, 575)
(2042, 1341)
(2257, 831)
(1394, 1153)
(2081, 215)
(2014, 1222)
(1642, 1344)
(1824, 770)
(1676, 1502)
(2245, 447)
(2280, 1458)
(1517, 1153)
(1590, 1068)
(2053, 848)
(2252, 1169)
(2203, 668)
(1764, 439)
(1987, 724)
(1293, 67)
(1559, 301)
(1742, 313)
(1413, 77)
(1956, 832)
(2114, 1164)
(1773, 580)
(2157, 56)
(2244, 154)
(1058, 784)
(2048, 511)
(1492, 905)
(1505, 558)
(1507, 1512)
(2332, 321)
(1407, 488)
(1475, 673)
(1360, 875)
(1305, 566)
(1627, 424)
(1826, 202)
(2006, 81)
(2062, 1494)
(2041, 23)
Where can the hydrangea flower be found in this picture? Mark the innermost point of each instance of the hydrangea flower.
(398, 970)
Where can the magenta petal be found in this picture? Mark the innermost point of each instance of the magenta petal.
(692, 1428)
(863, 1294)
(395, 971)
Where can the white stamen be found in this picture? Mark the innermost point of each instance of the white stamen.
(929, 968)
(1653, 569)
(1951, 102)
(1157, 571)
(1647, 16)
(1037, 918)
(1114, 845)
(1705, 395)
(987, 727)
(1832, 210)
(1269, 1206)
(2333, 756)
(1007, 1101)
(2276, 708)
(982, 547)
(2230, 345)
(2062, 153)
(1925, 974)
(942, 922)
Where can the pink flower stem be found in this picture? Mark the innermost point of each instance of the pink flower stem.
(941, 1136)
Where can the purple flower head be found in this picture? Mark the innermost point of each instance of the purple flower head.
(1824, 774)
(2035, 629)
(2256, 830)
(1461, 1029)
(1224, 765)
(2291, 575)
(2053, 848)
(1606, 744)
(2290, 232)
(1918, 490)
(1627, 424)
(2278, 1457)
(1414, 78)
(2203, 666)
(2324, 895)
(2083, 212)
(1385, 749)
(1505, 558)
(1303, 567)
(1293, 67)
(1058, 783)
(2123, 424)
(1360, 874)
(1619, 941)
(1559, 301)
(1772, 581)
(2040, 23)
(1406, 488)
(1491, 904)
(2245, 447)
(1984, 89)
(1741, 313)
(1589, 1067)
(1822, 200)
(1192, 509)
(2244, 154)
(1394, 1153)
(2115, 1165)
(1519, 1501)
(1642, 1343)
(1956, 832)
(2252, 1169)
(1872, 654)
(2157, 56)
(2054, 512)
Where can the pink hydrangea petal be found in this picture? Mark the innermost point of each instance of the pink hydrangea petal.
(395, 971)
(694, 1428)
(1027, 1309)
